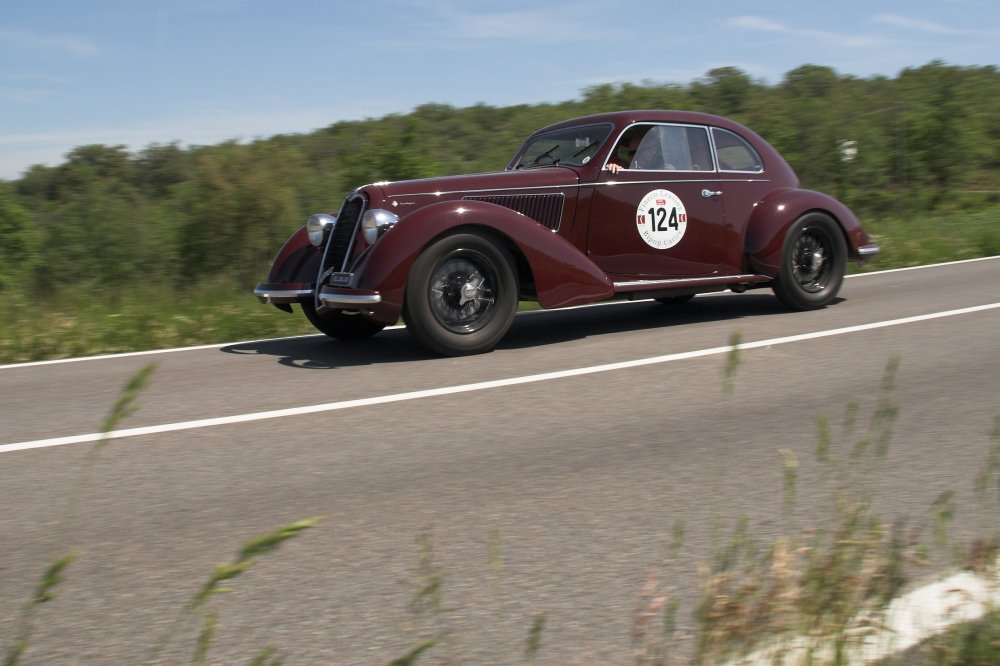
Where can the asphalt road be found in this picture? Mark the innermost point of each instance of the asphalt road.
(554, 495)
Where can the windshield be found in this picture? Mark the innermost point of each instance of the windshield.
(572, 146)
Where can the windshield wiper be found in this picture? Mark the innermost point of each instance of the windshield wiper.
(547, 153)
(585, 148)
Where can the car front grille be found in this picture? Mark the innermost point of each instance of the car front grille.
(546, 209)
(338, 247)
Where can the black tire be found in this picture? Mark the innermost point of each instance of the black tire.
(675, 300)
(341, 325)
(813, 260)
(461, 296)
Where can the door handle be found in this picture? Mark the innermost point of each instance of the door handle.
(708, 194)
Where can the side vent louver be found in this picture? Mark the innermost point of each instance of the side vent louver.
(546, 209)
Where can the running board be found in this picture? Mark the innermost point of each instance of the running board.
(688, 283)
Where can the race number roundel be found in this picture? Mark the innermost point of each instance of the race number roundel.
(661, 219)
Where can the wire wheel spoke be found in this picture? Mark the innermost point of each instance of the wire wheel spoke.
(810, 263)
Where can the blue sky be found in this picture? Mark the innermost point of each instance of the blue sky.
(137, 72)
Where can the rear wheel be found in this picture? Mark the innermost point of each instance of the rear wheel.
(461, 296)
(342, 325)
(813, 260)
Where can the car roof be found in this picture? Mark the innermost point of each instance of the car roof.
(622, 119)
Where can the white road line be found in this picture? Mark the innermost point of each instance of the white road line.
(219, 345)
(479, 386)
(146, 352)
(921, 267)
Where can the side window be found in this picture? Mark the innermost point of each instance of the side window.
(734, 153)
(674, 148)
(698, 150)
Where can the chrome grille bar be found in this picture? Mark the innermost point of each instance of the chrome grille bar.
(338, 247)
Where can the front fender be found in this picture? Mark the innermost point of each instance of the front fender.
(563, 275)
(296, 261)
(773, 215)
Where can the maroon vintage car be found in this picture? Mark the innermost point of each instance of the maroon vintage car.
(634, 204)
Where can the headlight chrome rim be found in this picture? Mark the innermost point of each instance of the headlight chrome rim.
(377, 221)
(318, 226)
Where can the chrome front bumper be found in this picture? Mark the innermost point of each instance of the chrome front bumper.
(284, 293)
(332, 297)
(335, 297)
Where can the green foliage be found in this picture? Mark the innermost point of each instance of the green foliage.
(989, 476)
(429, 598)
(534, 642)
(246, 558)
(224, 572)
(411, 657)
(930, 237)
(126, 405)
(144, 318)
(971, 644)
(732, 363)
(19, 249)
(44, 591)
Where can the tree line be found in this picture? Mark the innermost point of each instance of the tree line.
(173, 217)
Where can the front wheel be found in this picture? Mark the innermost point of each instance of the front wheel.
(341, 325)
(813, 260)
(461, 296)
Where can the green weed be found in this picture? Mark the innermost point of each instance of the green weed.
(55, 573)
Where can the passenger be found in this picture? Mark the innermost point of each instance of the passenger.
(625, 153)
(641, 151)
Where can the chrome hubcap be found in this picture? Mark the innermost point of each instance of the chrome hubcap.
(472, 290)
(462, 294)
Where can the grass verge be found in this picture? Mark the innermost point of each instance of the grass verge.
(85, 320)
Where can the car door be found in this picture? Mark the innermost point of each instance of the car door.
(662, 215)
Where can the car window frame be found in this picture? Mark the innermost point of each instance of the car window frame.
(514, 164)
(704, 128)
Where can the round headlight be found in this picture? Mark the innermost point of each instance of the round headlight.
(317, 226)
(376, 222)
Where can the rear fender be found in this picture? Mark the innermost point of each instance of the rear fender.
(563, 275)
(773, 215)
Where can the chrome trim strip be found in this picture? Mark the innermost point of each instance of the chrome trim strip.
(512, 190)
(286, 295)
(675, 282)
(351, 300)
(515, 190)
(867, 250)
(661, 181)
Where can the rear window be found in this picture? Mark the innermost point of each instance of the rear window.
(734, 153)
